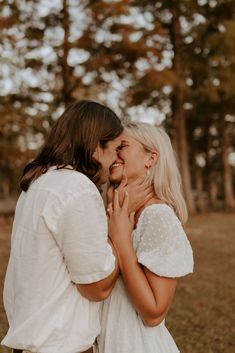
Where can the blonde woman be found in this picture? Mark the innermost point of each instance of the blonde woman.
(153, 255)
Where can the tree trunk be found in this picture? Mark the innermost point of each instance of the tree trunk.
(178, 114)
(212, 180)
(64, 60)
(228, 179)
(201, 201)
(213, 189)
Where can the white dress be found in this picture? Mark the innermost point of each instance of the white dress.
(161, 245)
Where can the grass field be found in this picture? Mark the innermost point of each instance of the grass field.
(202, 318)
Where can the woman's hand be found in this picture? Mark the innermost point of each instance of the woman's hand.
(122, 187)
(140, 192)
(121, 224)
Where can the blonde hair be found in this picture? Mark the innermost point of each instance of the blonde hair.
(164, 174)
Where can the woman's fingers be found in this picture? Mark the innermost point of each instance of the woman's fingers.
(121, 223)
(123, 181)
(126, 201)
(109, 194)
(116, 205)
(121, 188)
(132, 219)
(109, 209)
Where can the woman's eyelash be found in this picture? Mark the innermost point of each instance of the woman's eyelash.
(120, 147)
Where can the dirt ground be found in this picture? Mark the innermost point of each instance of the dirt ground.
(202, 318)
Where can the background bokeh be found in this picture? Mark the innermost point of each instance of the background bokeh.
(170, 63)
(166, 62)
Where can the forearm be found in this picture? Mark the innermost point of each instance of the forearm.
(138, 287)
(100, 290)
(107, 283)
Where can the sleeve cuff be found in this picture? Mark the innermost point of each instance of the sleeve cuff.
(94, 276)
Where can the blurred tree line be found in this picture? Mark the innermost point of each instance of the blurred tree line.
(175, 59)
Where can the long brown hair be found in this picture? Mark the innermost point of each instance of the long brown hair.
(73, 140)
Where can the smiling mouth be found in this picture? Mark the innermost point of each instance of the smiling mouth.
(115, 165)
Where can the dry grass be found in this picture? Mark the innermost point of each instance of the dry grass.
(202, 318)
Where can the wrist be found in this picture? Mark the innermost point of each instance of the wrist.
(124, 249)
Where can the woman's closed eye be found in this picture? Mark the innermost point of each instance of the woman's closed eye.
(121, 147)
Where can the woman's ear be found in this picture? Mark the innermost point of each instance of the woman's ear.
(152, 160)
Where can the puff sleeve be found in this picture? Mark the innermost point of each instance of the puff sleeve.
(162, 245)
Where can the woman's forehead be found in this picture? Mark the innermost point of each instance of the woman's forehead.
(127, 137)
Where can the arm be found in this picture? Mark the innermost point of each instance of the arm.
(150, 294)
(83, 241)
(100, 290)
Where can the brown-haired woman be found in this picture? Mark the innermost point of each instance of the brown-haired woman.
(59, 239)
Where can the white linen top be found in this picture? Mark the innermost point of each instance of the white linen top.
(161, 246)
(59, 238)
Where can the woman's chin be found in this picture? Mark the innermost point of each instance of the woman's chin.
(116, 176)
